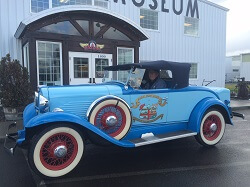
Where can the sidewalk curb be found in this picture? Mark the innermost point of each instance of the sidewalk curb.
(240, 107)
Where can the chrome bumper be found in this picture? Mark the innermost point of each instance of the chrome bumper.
(236, 114)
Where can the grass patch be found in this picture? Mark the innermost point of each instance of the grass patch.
(232, 88)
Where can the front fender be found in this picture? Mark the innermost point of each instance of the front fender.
(53, 117)
(201, 108)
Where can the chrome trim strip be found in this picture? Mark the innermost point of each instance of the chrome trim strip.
(103, 98)
(165, 139)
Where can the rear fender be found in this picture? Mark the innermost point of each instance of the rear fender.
(200, 110)
(55, 117)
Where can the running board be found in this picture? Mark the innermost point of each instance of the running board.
(149, 138)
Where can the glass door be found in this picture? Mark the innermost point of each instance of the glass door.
(79, 68)
(100, 61)
(88, 67)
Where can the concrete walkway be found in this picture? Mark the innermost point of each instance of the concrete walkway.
(240, 104)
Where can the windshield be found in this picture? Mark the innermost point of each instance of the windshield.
(134, 78)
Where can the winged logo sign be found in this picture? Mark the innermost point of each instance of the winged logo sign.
(92, 46)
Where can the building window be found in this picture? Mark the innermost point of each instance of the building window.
(149, 19)
(56, 3)
(81, 68)
(26, 59)
(39, 5)
(125, 56)
(101, 3)
(235, 70)
(114, 34)
(64, 27)
(191, 26)
(193, 71)
(84, 24)
(49, 63)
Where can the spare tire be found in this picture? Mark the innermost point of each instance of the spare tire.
(111, 116)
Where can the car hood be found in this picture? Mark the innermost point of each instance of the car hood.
(77, 99)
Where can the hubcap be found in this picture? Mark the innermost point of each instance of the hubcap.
(60, 151)
(213, 127)
(111, 120)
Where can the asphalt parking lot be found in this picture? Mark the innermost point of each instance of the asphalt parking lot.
(181, 162)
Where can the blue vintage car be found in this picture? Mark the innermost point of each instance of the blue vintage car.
(120, 111)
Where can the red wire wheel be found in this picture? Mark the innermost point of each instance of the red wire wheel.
(56, 151)
(111, 116)
(212, 128)
(114, 113)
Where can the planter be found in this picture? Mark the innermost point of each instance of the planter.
(13, 113)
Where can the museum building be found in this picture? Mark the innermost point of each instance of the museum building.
(67, 42)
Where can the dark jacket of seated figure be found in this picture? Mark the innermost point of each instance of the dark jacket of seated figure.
(156, 84)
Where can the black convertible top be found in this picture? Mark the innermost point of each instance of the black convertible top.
(180, 71)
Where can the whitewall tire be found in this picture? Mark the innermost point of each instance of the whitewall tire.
(56, 151)
(111, 116)
(212, 128)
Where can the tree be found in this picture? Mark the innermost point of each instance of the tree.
(15, 88)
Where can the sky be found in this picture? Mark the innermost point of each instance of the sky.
(238, 25)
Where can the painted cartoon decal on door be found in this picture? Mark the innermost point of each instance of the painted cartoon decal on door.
(148, 112)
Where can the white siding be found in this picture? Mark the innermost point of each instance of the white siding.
(12, 12)
(168, 43)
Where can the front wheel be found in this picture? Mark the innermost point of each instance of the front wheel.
(56, 151)
(212, 128)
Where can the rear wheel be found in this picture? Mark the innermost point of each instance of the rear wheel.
(56, 151)
(212, 128)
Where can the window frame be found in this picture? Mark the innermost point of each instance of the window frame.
(133, 53)
(26, 57)
(198, 32)
(155, 30)
(37, 59)
(51, 5)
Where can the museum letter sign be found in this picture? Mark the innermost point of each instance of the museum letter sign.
(191, 10)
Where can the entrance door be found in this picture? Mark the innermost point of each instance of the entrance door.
(87, 67)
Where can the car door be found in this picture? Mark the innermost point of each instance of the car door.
(149, 106)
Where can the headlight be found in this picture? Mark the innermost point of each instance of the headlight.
(41, 103)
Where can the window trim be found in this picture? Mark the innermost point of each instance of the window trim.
(25, 62)
(37, 60)
(190, 35)
(153, 30)
(195, 79)
(133, 53)
(51, 5)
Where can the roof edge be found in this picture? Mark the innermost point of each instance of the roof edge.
(214, 5)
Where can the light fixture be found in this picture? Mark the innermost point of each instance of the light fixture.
(98, 24)
(64, 1)
(141, 17)
(187, 24)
